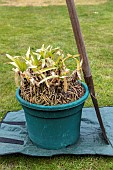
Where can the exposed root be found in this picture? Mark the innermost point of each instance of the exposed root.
(54, 95)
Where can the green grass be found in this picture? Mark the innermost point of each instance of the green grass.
(21, 27)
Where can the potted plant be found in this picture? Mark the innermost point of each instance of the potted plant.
(52, 97)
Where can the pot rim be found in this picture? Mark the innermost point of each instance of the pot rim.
(55, 107)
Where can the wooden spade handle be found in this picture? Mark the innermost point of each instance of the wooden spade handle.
(83, 55)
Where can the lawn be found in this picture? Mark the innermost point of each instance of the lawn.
(21, 27)
(48, 2)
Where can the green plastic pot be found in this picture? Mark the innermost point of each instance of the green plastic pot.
(53, 127)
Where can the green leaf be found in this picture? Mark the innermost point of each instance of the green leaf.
(18, 62)
(22, 66)
(48, 69)
(50, 62)
(34, 59)
(38, 55)
(43, 63)
(28, 54)
(10, 57)
(48, 78)
(14, 64)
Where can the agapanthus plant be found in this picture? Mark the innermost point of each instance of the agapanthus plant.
(44, 77)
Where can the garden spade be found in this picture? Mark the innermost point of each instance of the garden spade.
(83, 55)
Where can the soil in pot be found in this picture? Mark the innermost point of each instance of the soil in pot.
(54, 95)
